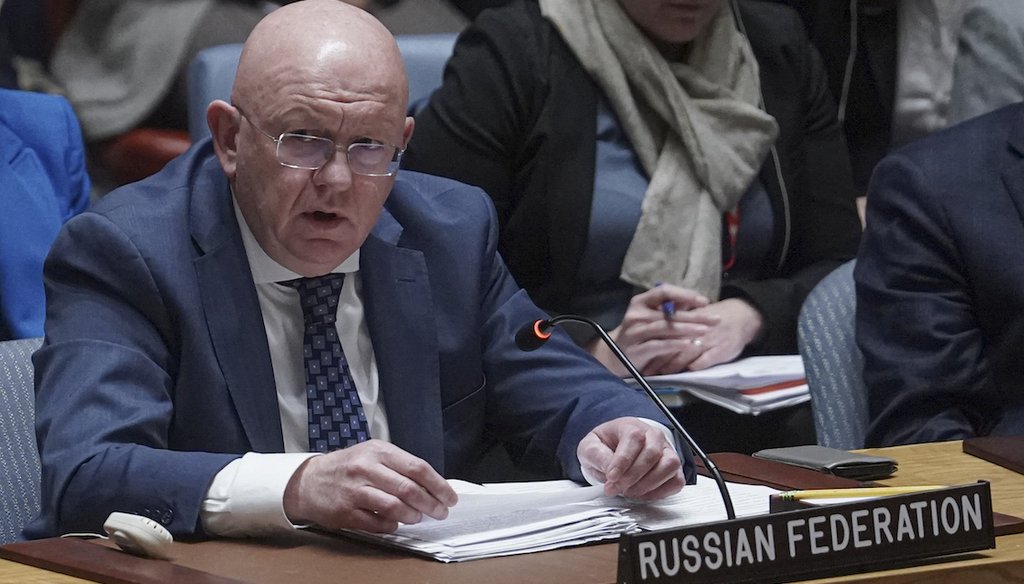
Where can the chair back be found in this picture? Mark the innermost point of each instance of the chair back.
(212, 73)
(19, 455)
(425, 56)
(210, 76)
(834, 365)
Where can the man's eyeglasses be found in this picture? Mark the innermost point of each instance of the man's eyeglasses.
(313, 152)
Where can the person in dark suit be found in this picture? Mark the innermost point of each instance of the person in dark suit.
(940, 285)
(182, 378)
(43, 183)
(624, 145)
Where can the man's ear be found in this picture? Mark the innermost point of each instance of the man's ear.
(224, 120)
(410, 124)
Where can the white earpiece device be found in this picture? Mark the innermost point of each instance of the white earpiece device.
(139, 535)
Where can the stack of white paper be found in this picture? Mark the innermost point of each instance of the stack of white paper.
(748, 386)
(517, 518)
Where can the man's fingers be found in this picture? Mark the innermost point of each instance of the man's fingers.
(339, 489)
(626, 446)
(672, 485)
(638, 451)
(664, 477)
(388, 507)
(372, 522)
(594, 454)
(417, 484)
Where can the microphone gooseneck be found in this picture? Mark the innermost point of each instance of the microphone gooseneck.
(534, 334)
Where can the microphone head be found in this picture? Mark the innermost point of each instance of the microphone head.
(533, 335)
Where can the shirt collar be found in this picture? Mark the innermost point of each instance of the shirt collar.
(263, 267)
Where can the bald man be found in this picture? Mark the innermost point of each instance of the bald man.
(280, 329)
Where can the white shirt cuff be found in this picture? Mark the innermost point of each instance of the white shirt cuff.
(246, 497)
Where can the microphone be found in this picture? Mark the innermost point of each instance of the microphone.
(531, 336)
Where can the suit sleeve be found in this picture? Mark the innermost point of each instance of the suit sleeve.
(104, 397)
(545, 401)
(924, 365)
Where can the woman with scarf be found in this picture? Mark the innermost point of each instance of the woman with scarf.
(648, 154)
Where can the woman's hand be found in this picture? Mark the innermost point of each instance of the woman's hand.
(654, 341)
(696, 336)
(739, 323)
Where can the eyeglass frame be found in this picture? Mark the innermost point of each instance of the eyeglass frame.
(396, 157)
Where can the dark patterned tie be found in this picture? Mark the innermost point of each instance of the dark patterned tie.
(336, 417)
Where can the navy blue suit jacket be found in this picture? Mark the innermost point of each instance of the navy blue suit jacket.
(156, 373)
(940, 285)
(42, 184)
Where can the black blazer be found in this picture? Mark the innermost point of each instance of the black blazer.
(516, 115)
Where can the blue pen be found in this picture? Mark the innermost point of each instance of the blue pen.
(668, 307)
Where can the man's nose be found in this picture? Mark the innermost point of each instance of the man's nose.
(335, 172)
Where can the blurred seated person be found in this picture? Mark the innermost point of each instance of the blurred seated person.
(124, 64)
(624, 146)
(987, 73)
(271, 331)
(940, 285)
(43, 183)
(901, 69)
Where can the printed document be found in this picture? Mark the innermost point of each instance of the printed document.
(516, 518)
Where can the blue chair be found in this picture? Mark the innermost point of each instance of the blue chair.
(210, 77)
(425, 56)
(834, 365)
(19, 455)
(212, 73)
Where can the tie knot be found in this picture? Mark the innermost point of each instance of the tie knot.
(318, 296)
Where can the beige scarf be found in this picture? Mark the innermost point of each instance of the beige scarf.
(696, 128)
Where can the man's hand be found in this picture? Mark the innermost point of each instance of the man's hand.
(370, 486)
(633, 458)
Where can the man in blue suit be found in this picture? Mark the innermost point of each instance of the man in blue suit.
(43, 183)
(178, 380)
(940, 285)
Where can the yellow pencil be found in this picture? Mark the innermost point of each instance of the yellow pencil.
(855, 492)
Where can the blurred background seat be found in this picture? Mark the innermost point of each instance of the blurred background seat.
(19, 456)
(834, 365)
(425, 56)
(210, 77)
(127, 157)
(212, 72)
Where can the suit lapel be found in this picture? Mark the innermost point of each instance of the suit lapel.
(400, 317)
(232, 310)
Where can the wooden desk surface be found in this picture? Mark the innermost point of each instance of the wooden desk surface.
(942, 463)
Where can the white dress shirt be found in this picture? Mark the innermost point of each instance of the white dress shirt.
(246, 496)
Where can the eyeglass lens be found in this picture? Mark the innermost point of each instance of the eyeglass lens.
(313, 152)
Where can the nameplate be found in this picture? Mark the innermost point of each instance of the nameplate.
(816, 542)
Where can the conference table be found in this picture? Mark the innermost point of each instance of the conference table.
(339, 559)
